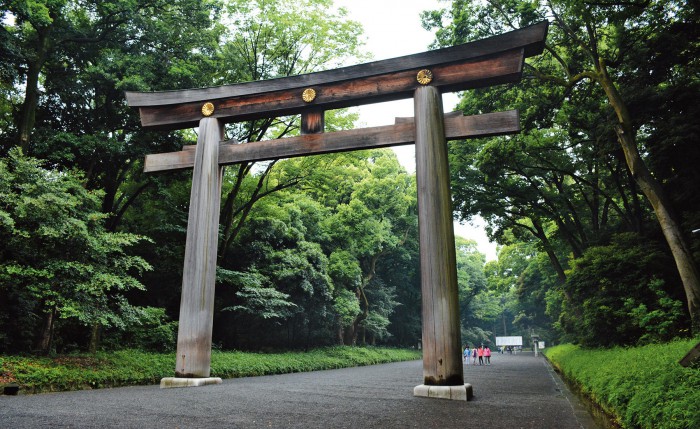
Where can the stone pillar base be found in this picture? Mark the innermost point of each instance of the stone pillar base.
(455, 393)
(170, 382)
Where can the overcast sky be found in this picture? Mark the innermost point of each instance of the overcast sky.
(392, 29)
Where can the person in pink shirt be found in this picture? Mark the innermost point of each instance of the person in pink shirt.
(487, 355)
(480, 352)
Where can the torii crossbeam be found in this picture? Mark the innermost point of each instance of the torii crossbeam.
(424, 77)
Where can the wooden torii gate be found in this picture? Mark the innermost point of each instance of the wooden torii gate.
(424, 77)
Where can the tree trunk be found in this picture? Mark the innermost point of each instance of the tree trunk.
(31, 94)
(549, 249)
(94, 338)
(340, 335)
(44, 340)
(349, 335)
(503, 316)
(655, 194)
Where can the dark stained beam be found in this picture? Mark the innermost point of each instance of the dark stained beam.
(503, 68)
(531, 39)
(477, 64)
(403, 133)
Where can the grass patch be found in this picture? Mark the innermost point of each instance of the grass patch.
(643, 387)
(134, 367)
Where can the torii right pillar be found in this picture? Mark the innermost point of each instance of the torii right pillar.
(443, 375)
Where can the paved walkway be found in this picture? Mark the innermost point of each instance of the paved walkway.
(516, 391)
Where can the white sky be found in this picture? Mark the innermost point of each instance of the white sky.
(392, 29)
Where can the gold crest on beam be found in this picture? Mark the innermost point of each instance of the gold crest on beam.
(424, 77)
(207, 109)
(308, 95)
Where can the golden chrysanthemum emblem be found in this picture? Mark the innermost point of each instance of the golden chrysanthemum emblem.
(424, 77)
(207, 109)
(308, 95)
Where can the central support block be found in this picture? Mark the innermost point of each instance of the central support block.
(455, 393)
(171, 382)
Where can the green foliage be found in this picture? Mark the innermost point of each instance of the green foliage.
(344, 269)
(376, 325)
(336, 247)
(336, 229)
(84, 57)
(347, 307)
(370, 220)
(478, 304)
(149, 329)
(264, 302)
(643, 387)
(661, 322)
(323, 243)
(75, 372)
(281, 280)
(134, 367)
(272, 38)
(57, 258)
(562, 187)
(612, 299)
(525, 276)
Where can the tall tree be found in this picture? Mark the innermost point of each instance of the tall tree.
(272, 39)
(57, 260)
(73, 33)
(327, 251)
(476, 311)
(597, 42)
(369, 222)
(92, 52)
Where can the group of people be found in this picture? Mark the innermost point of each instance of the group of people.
(482, 353)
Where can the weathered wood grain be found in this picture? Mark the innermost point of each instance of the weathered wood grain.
(530, 39)
(403, 133)
(197, 300)
(501, 68)
(442, 360)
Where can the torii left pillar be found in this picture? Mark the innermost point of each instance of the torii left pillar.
(199, 273)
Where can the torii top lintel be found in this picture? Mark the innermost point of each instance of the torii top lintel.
(485, 62)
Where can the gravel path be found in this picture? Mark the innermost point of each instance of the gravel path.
(516, 391)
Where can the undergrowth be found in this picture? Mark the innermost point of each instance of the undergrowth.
(643, 387)
(134, 367)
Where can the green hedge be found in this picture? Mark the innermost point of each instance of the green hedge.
(643, 387)
(134, 367)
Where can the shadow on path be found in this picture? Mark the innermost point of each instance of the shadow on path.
(516, 391)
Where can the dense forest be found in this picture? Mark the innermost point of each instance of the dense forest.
(593, 203)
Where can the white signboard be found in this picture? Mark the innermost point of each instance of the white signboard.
(540, 344)
(509, 341)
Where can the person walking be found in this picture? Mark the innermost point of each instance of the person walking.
(480, 352)
(467, 354)
(487, 355)
(474, 356)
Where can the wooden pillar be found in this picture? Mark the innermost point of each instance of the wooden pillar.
(199, 273)
(313, 122)
(442, 360)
